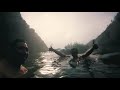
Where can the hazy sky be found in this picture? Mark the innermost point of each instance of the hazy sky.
(61, 28)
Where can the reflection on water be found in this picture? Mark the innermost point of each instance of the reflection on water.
(48, 68)
(54, 69)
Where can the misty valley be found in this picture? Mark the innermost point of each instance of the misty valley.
(48, 54)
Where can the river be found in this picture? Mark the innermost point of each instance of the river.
(56, 67)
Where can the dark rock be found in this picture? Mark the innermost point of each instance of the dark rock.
(111, 58)
(109, 40)
(109, 43)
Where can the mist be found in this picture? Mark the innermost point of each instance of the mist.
(61, 28)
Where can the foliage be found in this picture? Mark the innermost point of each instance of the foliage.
(81, 48)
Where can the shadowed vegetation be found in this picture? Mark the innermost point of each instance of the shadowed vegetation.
(81, 48)
(13, 26)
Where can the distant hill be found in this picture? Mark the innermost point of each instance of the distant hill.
(109, 40)
(13, 26)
